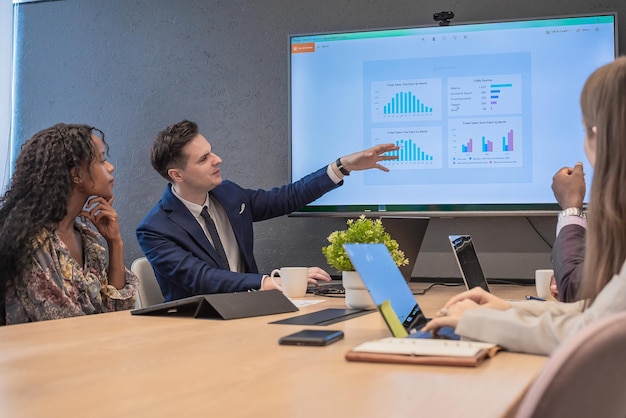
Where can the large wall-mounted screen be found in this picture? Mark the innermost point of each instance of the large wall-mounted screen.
(484, 113)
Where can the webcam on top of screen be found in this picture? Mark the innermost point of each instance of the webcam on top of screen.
(444, 17)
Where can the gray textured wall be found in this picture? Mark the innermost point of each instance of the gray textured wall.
(131, 67)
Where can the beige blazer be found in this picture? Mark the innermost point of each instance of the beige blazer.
(539, 327)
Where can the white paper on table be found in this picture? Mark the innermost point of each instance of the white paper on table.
(305, 302)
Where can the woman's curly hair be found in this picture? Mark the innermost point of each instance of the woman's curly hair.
(39, 191)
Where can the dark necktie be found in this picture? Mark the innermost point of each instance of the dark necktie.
(217, 243)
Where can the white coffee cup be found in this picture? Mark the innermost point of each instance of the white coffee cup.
(542, 283)
(293, 281)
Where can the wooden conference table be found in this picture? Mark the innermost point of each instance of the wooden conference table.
(118, 364)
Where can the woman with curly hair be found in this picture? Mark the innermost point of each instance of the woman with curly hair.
(53, 262)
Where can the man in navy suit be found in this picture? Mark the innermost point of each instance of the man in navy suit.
(177, 238)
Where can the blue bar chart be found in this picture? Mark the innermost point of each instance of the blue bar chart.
(486, 145)
(409, 151)
(419, 147)
(406, 100)
(469, 146)
(485, 95)
(485, 142)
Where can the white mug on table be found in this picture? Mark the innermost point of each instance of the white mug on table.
(293, 281)
(542, 283)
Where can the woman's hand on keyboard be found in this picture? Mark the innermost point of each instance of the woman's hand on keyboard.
(451, 313)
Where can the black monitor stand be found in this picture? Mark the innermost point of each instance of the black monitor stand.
(409, 232)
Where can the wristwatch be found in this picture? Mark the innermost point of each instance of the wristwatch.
(572, 212)
(341, 167)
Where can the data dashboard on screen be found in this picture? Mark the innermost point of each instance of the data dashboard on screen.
(484, 113)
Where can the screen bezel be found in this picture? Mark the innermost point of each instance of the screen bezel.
(436, 209)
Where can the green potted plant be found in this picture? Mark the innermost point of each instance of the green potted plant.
(361, 230)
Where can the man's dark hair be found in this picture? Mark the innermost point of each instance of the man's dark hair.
(167, 149)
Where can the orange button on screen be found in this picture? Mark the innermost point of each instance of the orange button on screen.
(304, 47)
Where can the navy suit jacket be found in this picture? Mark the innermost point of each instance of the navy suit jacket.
(185, 263)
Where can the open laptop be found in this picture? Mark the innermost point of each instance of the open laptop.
(467, 260)
(387, 287)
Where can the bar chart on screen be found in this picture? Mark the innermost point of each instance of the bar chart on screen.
(412, 100)
(485, 95)
(485, 142)
(420, 147)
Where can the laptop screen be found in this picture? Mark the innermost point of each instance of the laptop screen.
(466, 258)
(384, 281)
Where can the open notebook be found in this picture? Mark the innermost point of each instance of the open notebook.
(422, 351)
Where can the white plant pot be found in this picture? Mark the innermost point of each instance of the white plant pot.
(357, 296)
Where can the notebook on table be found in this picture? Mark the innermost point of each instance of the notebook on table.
(423, 351)
(467, 260)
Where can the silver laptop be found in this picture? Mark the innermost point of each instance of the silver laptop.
(467, 260)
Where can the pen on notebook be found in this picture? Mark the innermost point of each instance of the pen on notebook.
(529, 297)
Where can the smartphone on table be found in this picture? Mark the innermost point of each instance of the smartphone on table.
(311, 337)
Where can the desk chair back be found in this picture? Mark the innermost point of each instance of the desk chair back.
(149, 291)
(585, 377)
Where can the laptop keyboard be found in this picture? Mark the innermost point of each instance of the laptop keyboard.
(327, 289)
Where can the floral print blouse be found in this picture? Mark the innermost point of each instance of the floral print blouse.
(56, 286)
